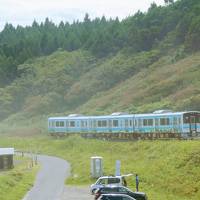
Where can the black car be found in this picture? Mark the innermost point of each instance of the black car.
(119, 190)
(115, 197)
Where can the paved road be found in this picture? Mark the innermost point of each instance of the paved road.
(76, 193)
(49, 184)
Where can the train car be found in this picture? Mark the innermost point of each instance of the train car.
(186, 124)
(76, 123)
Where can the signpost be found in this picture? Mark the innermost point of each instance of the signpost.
(117, 168)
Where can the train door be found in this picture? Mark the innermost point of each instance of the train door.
(110, 125)
(93, 125)
(191, 119)
(177, 124)
(193, 124)
(126, 125)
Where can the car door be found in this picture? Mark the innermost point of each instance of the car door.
(126, 198)
(122, 190)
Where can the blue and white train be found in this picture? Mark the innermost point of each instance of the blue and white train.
(184, 124)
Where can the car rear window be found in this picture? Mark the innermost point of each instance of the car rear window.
(109, 190)
(111, 198)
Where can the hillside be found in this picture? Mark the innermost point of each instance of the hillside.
(145, 62)
(160, 85)
(67, 82)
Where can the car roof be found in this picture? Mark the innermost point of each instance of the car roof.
(106, 177)
(118, 176)
(113, 186)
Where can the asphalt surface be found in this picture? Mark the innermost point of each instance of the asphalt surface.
(77, 193)
(49, 184)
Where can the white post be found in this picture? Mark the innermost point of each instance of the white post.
(117, 168)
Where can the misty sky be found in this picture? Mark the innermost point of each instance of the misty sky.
(23, 12)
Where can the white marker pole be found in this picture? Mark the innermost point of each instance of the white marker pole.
(117, 168)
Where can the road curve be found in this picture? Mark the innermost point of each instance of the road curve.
(49, 183)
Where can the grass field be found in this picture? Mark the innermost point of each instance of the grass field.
(167, 169)
(16, 182)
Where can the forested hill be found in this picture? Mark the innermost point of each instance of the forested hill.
(145, 62)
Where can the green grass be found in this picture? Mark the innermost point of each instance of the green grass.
(167, 169)
(16, 182)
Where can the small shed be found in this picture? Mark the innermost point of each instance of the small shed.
(6, 158)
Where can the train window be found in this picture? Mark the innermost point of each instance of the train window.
(175, 121)
(150, 122)
(198, 119)
(57, 124)
(94, 123)
(136, 122)
(130, 123)
(192, 119)
(90, 124)
(99, 123)
(164, 121)
(115, 123)
(72, 124)
(104, 123)
(82, 124)
(126, 122)
(147, 122)
(140, 122)
(156, 122)
(61, 124)
(186, 120)
(179, 120)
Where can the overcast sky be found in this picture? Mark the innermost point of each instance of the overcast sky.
(23, 12)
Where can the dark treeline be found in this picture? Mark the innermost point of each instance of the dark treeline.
(176, 22)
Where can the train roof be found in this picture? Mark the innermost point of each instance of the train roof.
(92, 117)
(159, 114)
(164, 114)
(73, 117)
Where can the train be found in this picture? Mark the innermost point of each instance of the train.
(159, 124)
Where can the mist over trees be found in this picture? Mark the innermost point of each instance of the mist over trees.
(179, 21)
